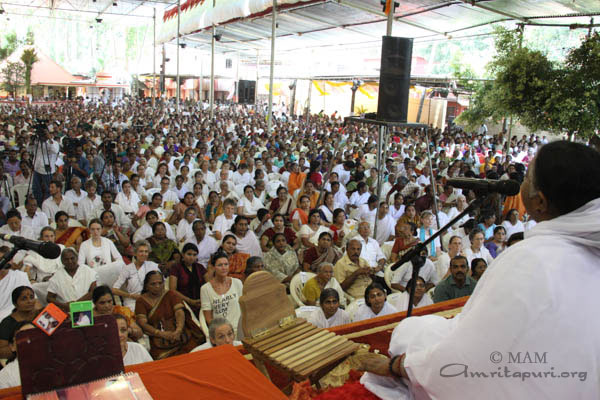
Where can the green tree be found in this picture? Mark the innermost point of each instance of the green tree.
(11, 44)
(30, 37)
(13, 77)
(29, 57)
(542, 94)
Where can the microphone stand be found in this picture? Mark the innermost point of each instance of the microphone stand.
(9, 256)
(414, 255)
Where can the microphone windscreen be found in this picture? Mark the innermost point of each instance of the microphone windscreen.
(49, 250)
(510, 187)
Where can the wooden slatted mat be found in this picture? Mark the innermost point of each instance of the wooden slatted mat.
(275, 335)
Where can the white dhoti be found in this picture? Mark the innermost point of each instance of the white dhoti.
(411, 334)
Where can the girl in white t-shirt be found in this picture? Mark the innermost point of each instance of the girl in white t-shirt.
(220, 295)
(100, 254)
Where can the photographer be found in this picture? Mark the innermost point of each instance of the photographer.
(113, 179)
(45, 149)
(75, 164)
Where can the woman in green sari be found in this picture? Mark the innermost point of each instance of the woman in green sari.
(166, 319)
(164, 251)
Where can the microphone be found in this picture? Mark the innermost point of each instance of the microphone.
(45, 249)
(506, 187)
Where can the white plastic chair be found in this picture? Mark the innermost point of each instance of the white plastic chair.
(20, 191)
(353, 307)
(297, 284)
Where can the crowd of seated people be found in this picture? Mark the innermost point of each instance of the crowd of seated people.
(161, 226)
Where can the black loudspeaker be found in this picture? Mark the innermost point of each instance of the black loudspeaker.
(246, 92)
(394, 79)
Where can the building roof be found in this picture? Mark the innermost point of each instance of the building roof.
(45, 71)
(245, 25)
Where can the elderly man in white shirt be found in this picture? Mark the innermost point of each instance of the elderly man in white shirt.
(371, 251)
(75, 194)
(32, 217)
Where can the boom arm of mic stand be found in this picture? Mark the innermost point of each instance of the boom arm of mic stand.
(413, 254)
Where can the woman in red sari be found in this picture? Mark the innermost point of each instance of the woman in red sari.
(69, 236)
(237, 261)
(166, 320)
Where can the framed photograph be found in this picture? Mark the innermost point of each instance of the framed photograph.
(81, 314)
(49, 319)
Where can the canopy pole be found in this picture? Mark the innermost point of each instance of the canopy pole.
(178, 86)
(256, 86)
(432, 179)
(212, 74)
(154, 60)
(201, 89)
(380, 139)
(307, 113)
(273, 32)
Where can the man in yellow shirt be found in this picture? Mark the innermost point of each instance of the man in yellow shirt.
(353, 272)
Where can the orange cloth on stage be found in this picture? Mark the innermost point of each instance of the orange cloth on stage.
(219, 373)
(514, 202)
(296, 181)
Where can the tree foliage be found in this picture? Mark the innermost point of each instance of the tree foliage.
(543, 95)
(29, 57)
(10, 44)
(13, 77)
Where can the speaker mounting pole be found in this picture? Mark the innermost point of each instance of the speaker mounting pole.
(273, 36)
(390, 18)
(178, 88)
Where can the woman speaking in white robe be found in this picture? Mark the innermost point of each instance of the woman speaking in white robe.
(525, 333)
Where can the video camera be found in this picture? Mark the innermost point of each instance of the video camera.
(110, 150)
(40, 127)
(70, 146)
